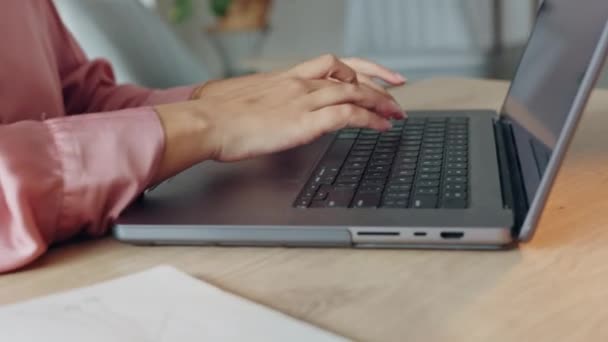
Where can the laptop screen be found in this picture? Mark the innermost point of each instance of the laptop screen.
(559, 51)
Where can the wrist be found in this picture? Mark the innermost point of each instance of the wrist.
(187, 138)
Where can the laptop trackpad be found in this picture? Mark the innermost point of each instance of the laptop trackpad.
(286, 169)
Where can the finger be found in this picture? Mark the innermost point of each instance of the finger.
(361, 95)
(327, 66)
(372, 69)
(333, 118)
(368, 81)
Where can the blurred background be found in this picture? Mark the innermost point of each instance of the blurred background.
(162, 43)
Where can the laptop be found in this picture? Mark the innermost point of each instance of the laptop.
(439, 179)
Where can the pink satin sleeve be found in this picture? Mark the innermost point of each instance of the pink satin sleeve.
(71, 175)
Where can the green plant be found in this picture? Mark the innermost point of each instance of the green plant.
(219, 7)
(182, 10)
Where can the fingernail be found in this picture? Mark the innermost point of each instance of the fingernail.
(387, 125)
(397, 108)
(400, 77)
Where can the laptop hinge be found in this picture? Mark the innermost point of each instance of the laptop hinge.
(513, 190)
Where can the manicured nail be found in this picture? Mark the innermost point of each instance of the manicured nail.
(400, 77)
(396, 107)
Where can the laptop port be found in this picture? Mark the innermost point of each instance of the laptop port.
(452, 235)
(378, 233)
(419, 233)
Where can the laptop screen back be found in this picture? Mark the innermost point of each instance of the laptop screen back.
(548, 79)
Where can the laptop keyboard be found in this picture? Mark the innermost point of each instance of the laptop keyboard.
(420, 163)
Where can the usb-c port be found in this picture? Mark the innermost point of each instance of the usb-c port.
(419, 233)
(452, 235)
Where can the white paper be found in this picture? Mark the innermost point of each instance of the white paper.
(162, 304)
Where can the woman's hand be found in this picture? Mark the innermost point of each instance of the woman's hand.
(365, 72)
(238, 119)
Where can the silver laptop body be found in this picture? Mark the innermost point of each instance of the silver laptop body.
(513, 158)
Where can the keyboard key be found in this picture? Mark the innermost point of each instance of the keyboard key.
(363, 148)
(432, 157)
(342, 185)
(427, 183)
(327, 180)
(381, 162)
(385, 149)
(393, 196)
(390, 138)
(423, 201)
(432, 145)
(429, 176)
(457, 166)
(387, 145)
(406, 160)
(370, 189)
(431, 163)
(320, 196)
(405, 166)
(376, 181)
(335, 155)
(302, 203)
(348, 135)
(455, 187)
(366, 200)
(403, 173)
(323, 192)
(376, 175)
(357, 160)
(355, 165)
(453, 153)
(382, 156)
(394, 204)
(455, 200)
(455, 195)
(402, 180)
(340, 198)
(378, 168)
(456, 179)
(427, 191)
(409, 154)
(438, 151)
(456, 172)
(399, 188)
(410, 143)
(434, 169)
(349, 179)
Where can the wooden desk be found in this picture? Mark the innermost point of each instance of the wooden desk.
(552, 289)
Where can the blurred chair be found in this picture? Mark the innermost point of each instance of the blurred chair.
(140, 46)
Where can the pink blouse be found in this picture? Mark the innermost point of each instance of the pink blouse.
(62, 173)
